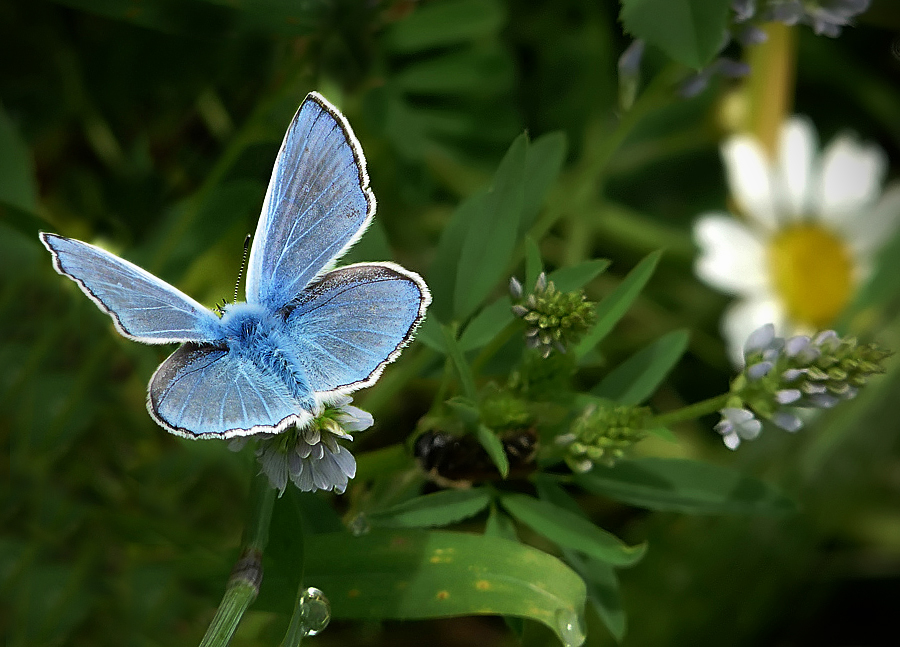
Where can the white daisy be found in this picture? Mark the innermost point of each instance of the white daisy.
(811, 225)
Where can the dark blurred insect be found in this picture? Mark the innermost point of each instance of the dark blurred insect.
(456, 461)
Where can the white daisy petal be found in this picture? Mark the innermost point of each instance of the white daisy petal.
(852, 175)
(797, 150)
(749, 178)
(741, 319)
(874, 227)
(732, 258)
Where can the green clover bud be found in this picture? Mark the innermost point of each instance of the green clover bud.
(555, 319)
(602, 434)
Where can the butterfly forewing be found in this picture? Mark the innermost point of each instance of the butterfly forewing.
(142, 306)
(317, 203)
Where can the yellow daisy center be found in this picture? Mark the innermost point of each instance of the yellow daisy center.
(813, 273)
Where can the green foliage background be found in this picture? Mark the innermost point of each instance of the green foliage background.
(152, 126)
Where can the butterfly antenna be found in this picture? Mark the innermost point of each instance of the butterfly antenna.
(243, 266)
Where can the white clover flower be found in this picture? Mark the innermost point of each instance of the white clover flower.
(811, 227)
(310, 456)
(737, 424)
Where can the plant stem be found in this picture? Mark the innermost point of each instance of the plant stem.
(690, 412)
(466, 379)
(297, 629)
(495, 344)
(243, 586)
(246, 576)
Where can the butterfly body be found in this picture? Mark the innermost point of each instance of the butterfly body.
(307, 334)
(253, 335)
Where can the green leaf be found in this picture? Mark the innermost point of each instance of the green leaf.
(546, 155)
(614, 306)
(490, 240)
(286, 543)
(373, 246)
(494, 447)
(411, 574)
(570, 530)
(600, 577)
(682, 485)
(690, 31)
(445, 23)
(635, 379)
(18, 186)
(533, 263)
(603, 591)
(576, 277)
(431, 334)
(475, 71)
(466, 409)
(437, 509)
(664, 433)
(500, 525)
(443, 271)
(487, 324)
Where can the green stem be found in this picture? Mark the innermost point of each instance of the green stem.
(297, 629)
(466, 379)
(262, 500)
(246, 576)
(441, 393)
(495, 344)
(690, 412)
(242, 590)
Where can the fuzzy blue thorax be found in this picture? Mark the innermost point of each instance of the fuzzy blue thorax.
(252, 333)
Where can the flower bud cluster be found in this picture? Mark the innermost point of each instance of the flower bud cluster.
(826, 17)
(310, 456)
(555, 319)
(602, 434)
(800, 372)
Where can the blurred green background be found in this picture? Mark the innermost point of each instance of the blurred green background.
(152, 125)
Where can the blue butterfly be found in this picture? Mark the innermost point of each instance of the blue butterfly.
(307, 334)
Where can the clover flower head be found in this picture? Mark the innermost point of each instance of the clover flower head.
(602, 434)
(311, 456)
(826, 17)
(812, 224)
(799, 372)
(554, 319)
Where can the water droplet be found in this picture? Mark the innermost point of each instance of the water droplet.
(315, 611)
(569, 627)
(359, 525)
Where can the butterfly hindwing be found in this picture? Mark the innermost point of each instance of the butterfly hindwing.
(206, 391)
(353, 321)
(318, 202)
(143, 307)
